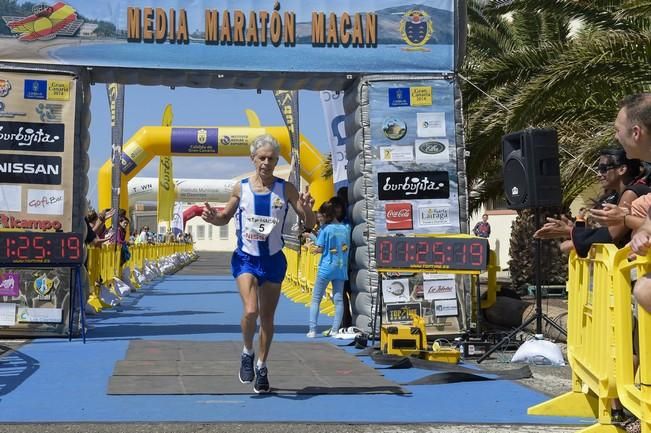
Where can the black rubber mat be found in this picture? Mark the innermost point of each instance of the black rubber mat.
(191, 367)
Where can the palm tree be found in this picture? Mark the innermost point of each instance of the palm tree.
(554, 63)
(549, 63)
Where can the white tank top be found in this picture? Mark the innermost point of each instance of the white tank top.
(260, 218)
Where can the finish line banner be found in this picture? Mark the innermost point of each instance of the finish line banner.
(376, 36)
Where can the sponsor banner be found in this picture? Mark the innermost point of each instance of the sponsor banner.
(7, 314)
(132, 156)
(399, 97)
(40, 315)
(394, 128)
(5, 87)
(430, 125)
(9, 284)
(58, 90)
(166, 190)
(402, 312)
(433, 215)
(446, 307)
(420, 96)
(44, 170)
(395, 290)
(346, 36)
(4, 114)
(49, 112)
(334, 116)
(443, 287)
(413, 185)
(166, 186)
(432, 150)
(11, 198)
(37, 148)
(397, 153)
(45, 201)
(11, 222)
(399, 216)
(194, 140)
(32, 137)
(35, 89)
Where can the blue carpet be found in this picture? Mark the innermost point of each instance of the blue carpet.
(53, 380)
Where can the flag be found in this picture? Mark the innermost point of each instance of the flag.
(177, 219)
(334, 115)
(166, 188)
(115, 93)
(288, 103)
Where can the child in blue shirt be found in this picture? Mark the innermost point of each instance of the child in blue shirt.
(333, 244)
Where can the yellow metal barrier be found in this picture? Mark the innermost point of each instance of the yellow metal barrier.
(104, 265)
(492, 287)
(634, 395)
(591, 341)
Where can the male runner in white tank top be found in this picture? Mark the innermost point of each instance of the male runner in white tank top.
(259, 204)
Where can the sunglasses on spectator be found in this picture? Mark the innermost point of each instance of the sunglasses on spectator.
(603, 168)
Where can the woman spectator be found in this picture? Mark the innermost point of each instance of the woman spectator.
(333, 244)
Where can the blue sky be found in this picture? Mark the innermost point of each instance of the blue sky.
(144, 106)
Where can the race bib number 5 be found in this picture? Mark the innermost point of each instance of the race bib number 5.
(258, 228)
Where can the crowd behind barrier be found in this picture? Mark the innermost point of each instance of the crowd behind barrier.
(608, 359)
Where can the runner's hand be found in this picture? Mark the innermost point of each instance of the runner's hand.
(209, 214)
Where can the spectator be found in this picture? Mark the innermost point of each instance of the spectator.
(482, 228)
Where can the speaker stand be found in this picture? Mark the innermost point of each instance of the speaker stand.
(538, 316)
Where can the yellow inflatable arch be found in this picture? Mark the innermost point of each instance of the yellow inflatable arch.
(209, 141)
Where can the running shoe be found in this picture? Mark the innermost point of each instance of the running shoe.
(261, 384)
(311, 334)
(246, 368)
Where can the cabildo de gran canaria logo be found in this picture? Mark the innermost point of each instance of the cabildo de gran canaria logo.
(416, 29)
(202, 136)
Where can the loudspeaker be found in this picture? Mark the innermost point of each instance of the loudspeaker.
(531, 169)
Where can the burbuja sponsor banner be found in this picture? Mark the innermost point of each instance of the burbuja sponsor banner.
(37, 124)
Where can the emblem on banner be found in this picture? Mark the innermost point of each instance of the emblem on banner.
(202, 136)
(45, 22)
(43, 285)
(416, 29)
(5, 87)
(9, 114)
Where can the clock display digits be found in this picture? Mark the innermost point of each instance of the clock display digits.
(38, 247)
(432, 253)
(422, 251)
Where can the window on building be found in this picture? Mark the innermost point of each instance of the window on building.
(223, 232)
(201, 233)
(498, 203)
(210, 231)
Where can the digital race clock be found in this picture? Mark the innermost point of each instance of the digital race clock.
(402, 252)
(33, 247)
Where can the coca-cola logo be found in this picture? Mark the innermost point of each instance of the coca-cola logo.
(398, 216)
(413, 185)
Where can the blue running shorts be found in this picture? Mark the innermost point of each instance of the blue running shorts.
(264, 268)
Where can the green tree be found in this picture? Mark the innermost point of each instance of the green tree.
(562, 64)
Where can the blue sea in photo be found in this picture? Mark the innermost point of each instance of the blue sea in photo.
(299, 58)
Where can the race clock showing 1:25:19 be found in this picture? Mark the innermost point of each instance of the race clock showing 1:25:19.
(32, 247)
(432, 253)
